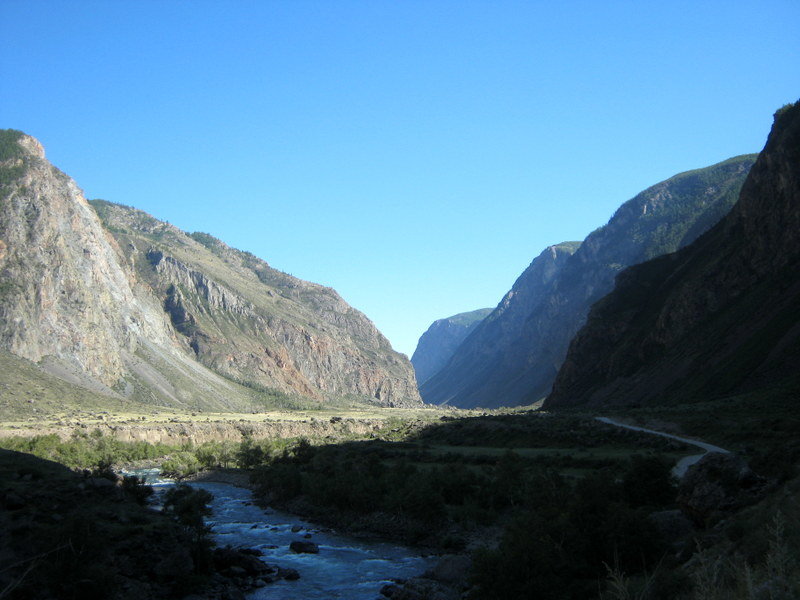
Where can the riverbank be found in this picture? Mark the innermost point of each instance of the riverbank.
(91, 535)
(235, 477)
(444, 575)
(327, 564)
(449, 485)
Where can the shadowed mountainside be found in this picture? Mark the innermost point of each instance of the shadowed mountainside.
(717, 319)
(513, 356)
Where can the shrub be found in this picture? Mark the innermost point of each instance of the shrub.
(188, 506)
(136, 489)
(180, 465)
(648, 481)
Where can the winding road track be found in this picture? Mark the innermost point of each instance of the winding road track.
(680, 468)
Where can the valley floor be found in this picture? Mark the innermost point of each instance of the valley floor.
(466, 482)
(170, 426)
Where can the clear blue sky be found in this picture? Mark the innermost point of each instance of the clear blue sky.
(413, 155)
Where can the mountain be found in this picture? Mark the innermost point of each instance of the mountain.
(513, 356)
(111, 299)
(716, 319)
(437, 344)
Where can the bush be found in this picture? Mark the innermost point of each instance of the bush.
(180, 465)
(216, 454)
(560, 544)
(136, 489)
(85, 451)
(648, 481)
(249, 454)
(188, 506)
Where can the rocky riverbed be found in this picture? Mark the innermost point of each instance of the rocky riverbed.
(327, 564)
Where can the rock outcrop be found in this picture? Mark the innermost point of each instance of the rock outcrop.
(440, 340)
(719, 484)
(112, 299)
(66, 300)
(513, 356)
(716, 319)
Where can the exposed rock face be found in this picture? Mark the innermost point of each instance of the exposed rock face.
(136, 308)
(437, 344)
(64, 294)
(256, 325)
(514, 355)
(716, 319)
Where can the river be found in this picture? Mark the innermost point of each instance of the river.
(344, 568)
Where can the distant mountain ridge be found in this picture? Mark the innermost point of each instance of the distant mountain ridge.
(437, 344)
(719, 318)
(513, 356)
(112, 299)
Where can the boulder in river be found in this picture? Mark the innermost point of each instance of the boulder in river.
(236, 561)
(288, 574)
(304, 547)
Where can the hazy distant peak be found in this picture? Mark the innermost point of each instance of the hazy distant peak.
(441, 339)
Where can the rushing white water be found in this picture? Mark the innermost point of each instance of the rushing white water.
(344, 568)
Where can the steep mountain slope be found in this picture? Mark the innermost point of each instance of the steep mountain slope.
(255, 324)
(144, 312)
(440, 340)
(720, 317)
(513, 356)
(484, 349)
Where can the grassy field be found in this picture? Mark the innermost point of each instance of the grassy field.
(153, 416)
(762, 427)
(573, 444)
(33, 403)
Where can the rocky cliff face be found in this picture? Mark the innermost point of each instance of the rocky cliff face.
(135, 308)
(716, 319)
(256, 325)
(513, 357)
(64, 295)
(437, 344)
